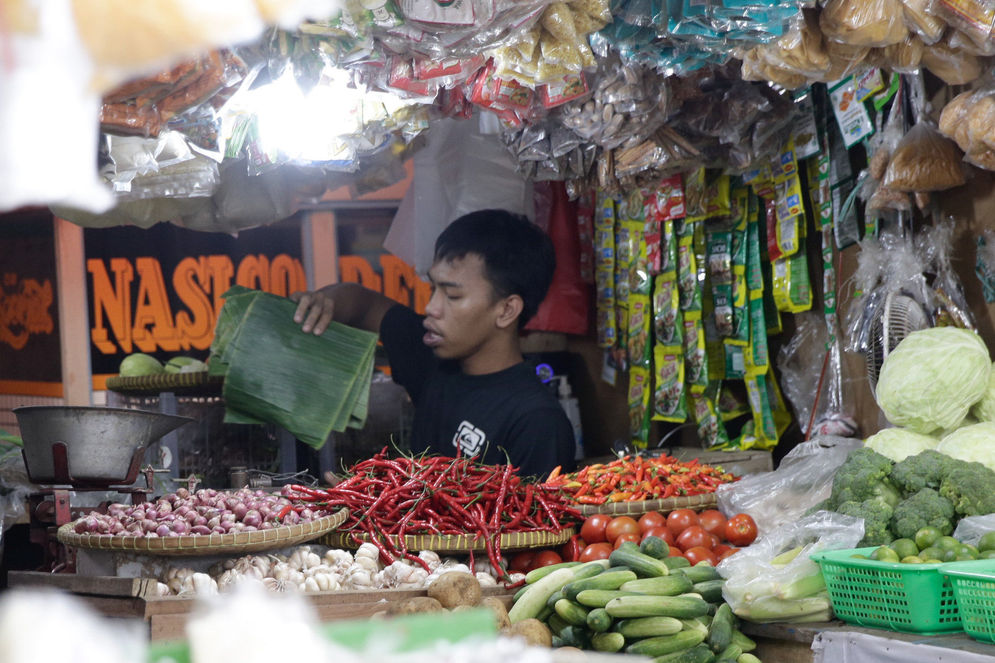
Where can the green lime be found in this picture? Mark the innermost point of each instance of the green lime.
(911, 559)
(904, 547)
(947, 543)
(884, 554)
(859, 556)
(927, 536)
(967, 550)
(931, 553)
(987, 554)
(987, 542)
(949, 555)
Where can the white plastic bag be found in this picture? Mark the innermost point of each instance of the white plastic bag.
(460, 170)
(971, 529)
(803, 479)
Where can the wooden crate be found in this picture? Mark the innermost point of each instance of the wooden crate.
(167, 615)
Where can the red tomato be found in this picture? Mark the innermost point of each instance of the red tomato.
(521, 561)
(680, 519)
(621, 525)
(700, 554)
(741, 530)
(713, 521)
(626, 536)
(661, 532)
(570, 551)
(651, 519)
(694, 537)
(546, 558)
(726, 553)
(596, 551)
(719, 549)
(675, 552)
(593, 529)
(714, 539)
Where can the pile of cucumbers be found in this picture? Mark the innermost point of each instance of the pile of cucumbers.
(638, 601)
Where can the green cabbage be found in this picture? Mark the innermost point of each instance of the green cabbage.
(898, 443)
(971, 443)
(931, 380)
(984, 410)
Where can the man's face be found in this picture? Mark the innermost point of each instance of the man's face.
(461, 316)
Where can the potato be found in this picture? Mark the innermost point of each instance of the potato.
(534, 631)
(455, 588)
(496, 605)
(413, 605)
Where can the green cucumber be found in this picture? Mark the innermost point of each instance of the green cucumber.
(610, 579)
(729, 654)
(538, 574)
(743, 640)
(534, 600)
(747, 657)
(556, 623)
(572, 613)
(644, 565)
(544, 614)
(665, 644)
(598, 620)
(671, 585)
(576, 636)
(720, 632)
(655, 547)
(554, 597)
(650, 606)
(607, 642)
(701, 572)
(676, 562)
(700, 653)
(520, 592)
(710, 590)
(648, 627)
(598, 598)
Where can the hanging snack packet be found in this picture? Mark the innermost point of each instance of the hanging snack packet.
(695, 359)
(604, 272)
(668, 325)
(639, 399)
(639, 336)
(711, 430)
(791, 286)
(863, 23)
(669, 402)
(924, 160)
(719, 257)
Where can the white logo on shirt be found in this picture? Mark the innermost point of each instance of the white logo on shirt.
(469, 439)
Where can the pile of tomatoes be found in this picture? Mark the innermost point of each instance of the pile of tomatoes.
(706, 536)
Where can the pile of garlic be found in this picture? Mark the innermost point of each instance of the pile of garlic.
(318, 569)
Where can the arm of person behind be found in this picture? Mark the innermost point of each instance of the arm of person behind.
(348, 303)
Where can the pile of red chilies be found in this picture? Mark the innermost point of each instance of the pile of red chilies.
(388, 498)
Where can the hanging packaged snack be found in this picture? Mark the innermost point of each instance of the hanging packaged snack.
(668, 325)
(565, 87)
(719, 258)
(921, 19)
(604, 271)
(924, 160)
(695, 358)
(710, 427)
(668, 247)
(669, 399)
(639, 401)
(740, 291)
(791, 286)
(730, 399)
(951, 64)
(640, 335)
(687, 273)
(863, 22)
(974, 18)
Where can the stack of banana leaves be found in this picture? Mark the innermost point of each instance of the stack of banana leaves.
(275, 373)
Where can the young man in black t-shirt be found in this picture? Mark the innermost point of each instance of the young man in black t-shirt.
(461, 362)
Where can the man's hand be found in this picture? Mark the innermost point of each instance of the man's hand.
(315, 310)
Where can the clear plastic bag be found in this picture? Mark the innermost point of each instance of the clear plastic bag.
(863, 22)
(776, 572)
(971, 529)
(802, 480)
(924, 160)
(920, 19)
(952, 65)
(903, 57)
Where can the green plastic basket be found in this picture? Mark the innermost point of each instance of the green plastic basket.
(974, 589)
(913, 598)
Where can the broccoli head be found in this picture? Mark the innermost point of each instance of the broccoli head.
(877, 516)
(970, 487)
(923, 470)
(864, 476)
(924, 508)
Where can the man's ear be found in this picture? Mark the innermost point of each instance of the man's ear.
(511, 308)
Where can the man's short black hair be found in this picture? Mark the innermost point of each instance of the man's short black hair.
(518, 256)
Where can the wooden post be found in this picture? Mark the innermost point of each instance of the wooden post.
(74, 329)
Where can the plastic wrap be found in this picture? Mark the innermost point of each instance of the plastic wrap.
(952, 65)
(863, 22)
(803, 479)
(800, 361)
(920, 19)
(924, 161)
(972, 528)
(935, 246)
(802, 50)
(974, 18)
(903, 57)
(759, 574)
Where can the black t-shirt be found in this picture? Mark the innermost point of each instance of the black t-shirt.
(510, 411)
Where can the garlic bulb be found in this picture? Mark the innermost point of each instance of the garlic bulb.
(337, 559)
(162, 589)
(486, 579)
(368, 550)
(203, 584)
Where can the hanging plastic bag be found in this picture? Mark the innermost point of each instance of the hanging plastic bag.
(920, 19)
(971, 529)
(952, 65)
(924, 161)
(803, 479)
(863, 22)
(774, 580)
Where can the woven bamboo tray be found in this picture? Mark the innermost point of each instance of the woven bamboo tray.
(206, 544)
(696, 502)
(165, 382)
(458, 543)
